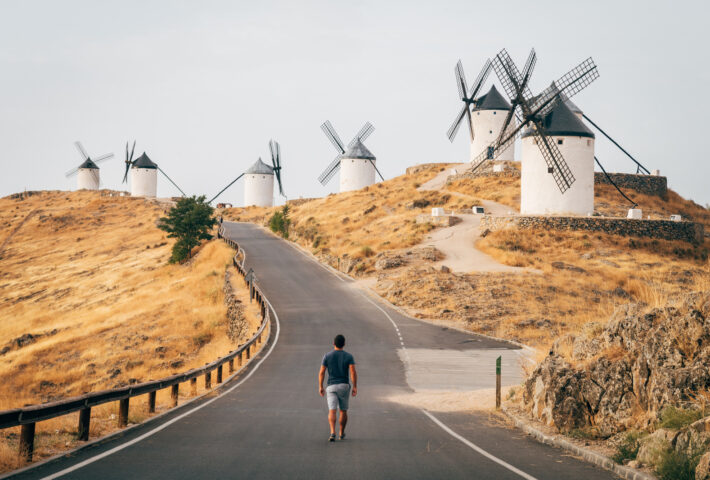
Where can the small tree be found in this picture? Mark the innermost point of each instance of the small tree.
(190, 221)
(280, 222)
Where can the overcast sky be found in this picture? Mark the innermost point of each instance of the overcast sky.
(203, 86)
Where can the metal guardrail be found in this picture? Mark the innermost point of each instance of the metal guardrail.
(27, 417)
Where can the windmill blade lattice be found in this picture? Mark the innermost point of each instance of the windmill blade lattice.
(275, 149)
(129, 160)
(468, 96)
(332, 135)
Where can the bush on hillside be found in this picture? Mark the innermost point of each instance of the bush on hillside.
(280, 222)
(190, 222)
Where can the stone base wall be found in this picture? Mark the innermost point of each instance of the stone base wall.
(663, 229)
(647, 184)
(510, 169)
(439, 221)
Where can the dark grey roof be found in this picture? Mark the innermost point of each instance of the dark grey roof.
(358, 150)
(88, 163)
(492, 100)
(573, 106)
(144, 162)
(260, 168)
(562, 122)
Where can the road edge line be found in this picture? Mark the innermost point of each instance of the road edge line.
(157, 429)
(478, 449)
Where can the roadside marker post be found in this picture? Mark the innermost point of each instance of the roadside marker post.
(498, 383)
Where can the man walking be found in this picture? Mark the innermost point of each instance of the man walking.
(341, 366)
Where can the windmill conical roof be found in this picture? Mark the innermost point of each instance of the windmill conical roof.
(563, 122)
(358, 150)
(492, 100)
(260, 168)
(89, 163)
(573, 106)
(144, 162)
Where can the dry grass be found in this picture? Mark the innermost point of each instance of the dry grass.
(87, 277)
(363, 223)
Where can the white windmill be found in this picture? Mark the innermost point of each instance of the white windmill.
(144, 175)
(490, 113)
(558, 149)
(357, 164)
(87, 174)
(259, 180)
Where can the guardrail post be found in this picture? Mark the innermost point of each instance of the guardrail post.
(249, 352)
(498, 382)
(123, 412)
(231, 365)
(151, 402)
(174, 392)
(208, 380)
(219, 374)
(193, 386)
(27, 442)
(239, 361)
(84, 424)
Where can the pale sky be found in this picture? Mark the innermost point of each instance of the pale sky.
(203, 86)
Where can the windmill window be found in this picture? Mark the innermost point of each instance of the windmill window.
(549, 169)
(589, 142)
(494, 112)
(490, 131)
(559, 141)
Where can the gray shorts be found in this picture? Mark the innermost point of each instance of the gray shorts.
(338, 395)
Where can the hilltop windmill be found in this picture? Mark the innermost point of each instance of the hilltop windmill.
(144, 175)
(489, 110)
(88, 177)
(356, 163)
(259, 180)
(543, 164)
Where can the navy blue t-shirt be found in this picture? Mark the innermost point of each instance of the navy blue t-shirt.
(338, 364)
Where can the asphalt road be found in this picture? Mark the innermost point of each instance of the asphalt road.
(274, 424)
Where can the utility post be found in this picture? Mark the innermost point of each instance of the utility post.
(498, 383)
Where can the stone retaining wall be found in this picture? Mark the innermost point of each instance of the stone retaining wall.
(663, 229)
(648, 184)
(439, 221)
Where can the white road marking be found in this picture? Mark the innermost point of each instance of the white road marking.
(179, 417)
(441, 424)
(478, 449)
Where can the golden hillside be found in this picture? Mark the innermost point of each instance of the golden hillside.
(573, 278)
(88, 300)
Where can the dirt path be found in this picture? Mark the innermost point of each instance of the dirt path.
(438, 182)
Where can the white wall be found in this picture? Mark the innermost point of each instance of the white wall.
(539, 193)
(486, 129)
(88, 179)
(356, 173)
(258, 190)
(144, 182)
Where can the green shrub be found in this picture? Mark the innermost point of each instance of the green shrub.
(677, 466)
(367, 251)
(675, 418)
(190, 221)
(628, 448)
(279, 222)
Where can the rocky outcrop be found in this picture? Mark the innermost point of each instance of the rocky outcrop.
(642, 361)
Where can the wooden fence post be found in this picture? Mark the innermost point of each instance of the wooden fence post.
(193, 386)
(231, 365)
(151, 402)
(27, 442)
(123, 412)
(84, 423)
(174, 392)
(208, 380)
(498, 382)
(241, 355)
(219, 374)
(248, 352)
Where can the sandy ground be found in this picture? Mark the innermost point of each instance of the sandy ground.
(458, 380)
(438, 182)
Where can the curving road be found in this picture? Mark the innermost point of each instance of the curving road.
(273, 424)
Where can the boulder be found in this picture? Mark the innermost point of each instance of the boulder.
(653, 446)
(702, 471)
(389, 262)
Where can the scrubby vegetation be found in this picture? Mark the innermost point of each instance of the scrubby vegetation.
(190, 222)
